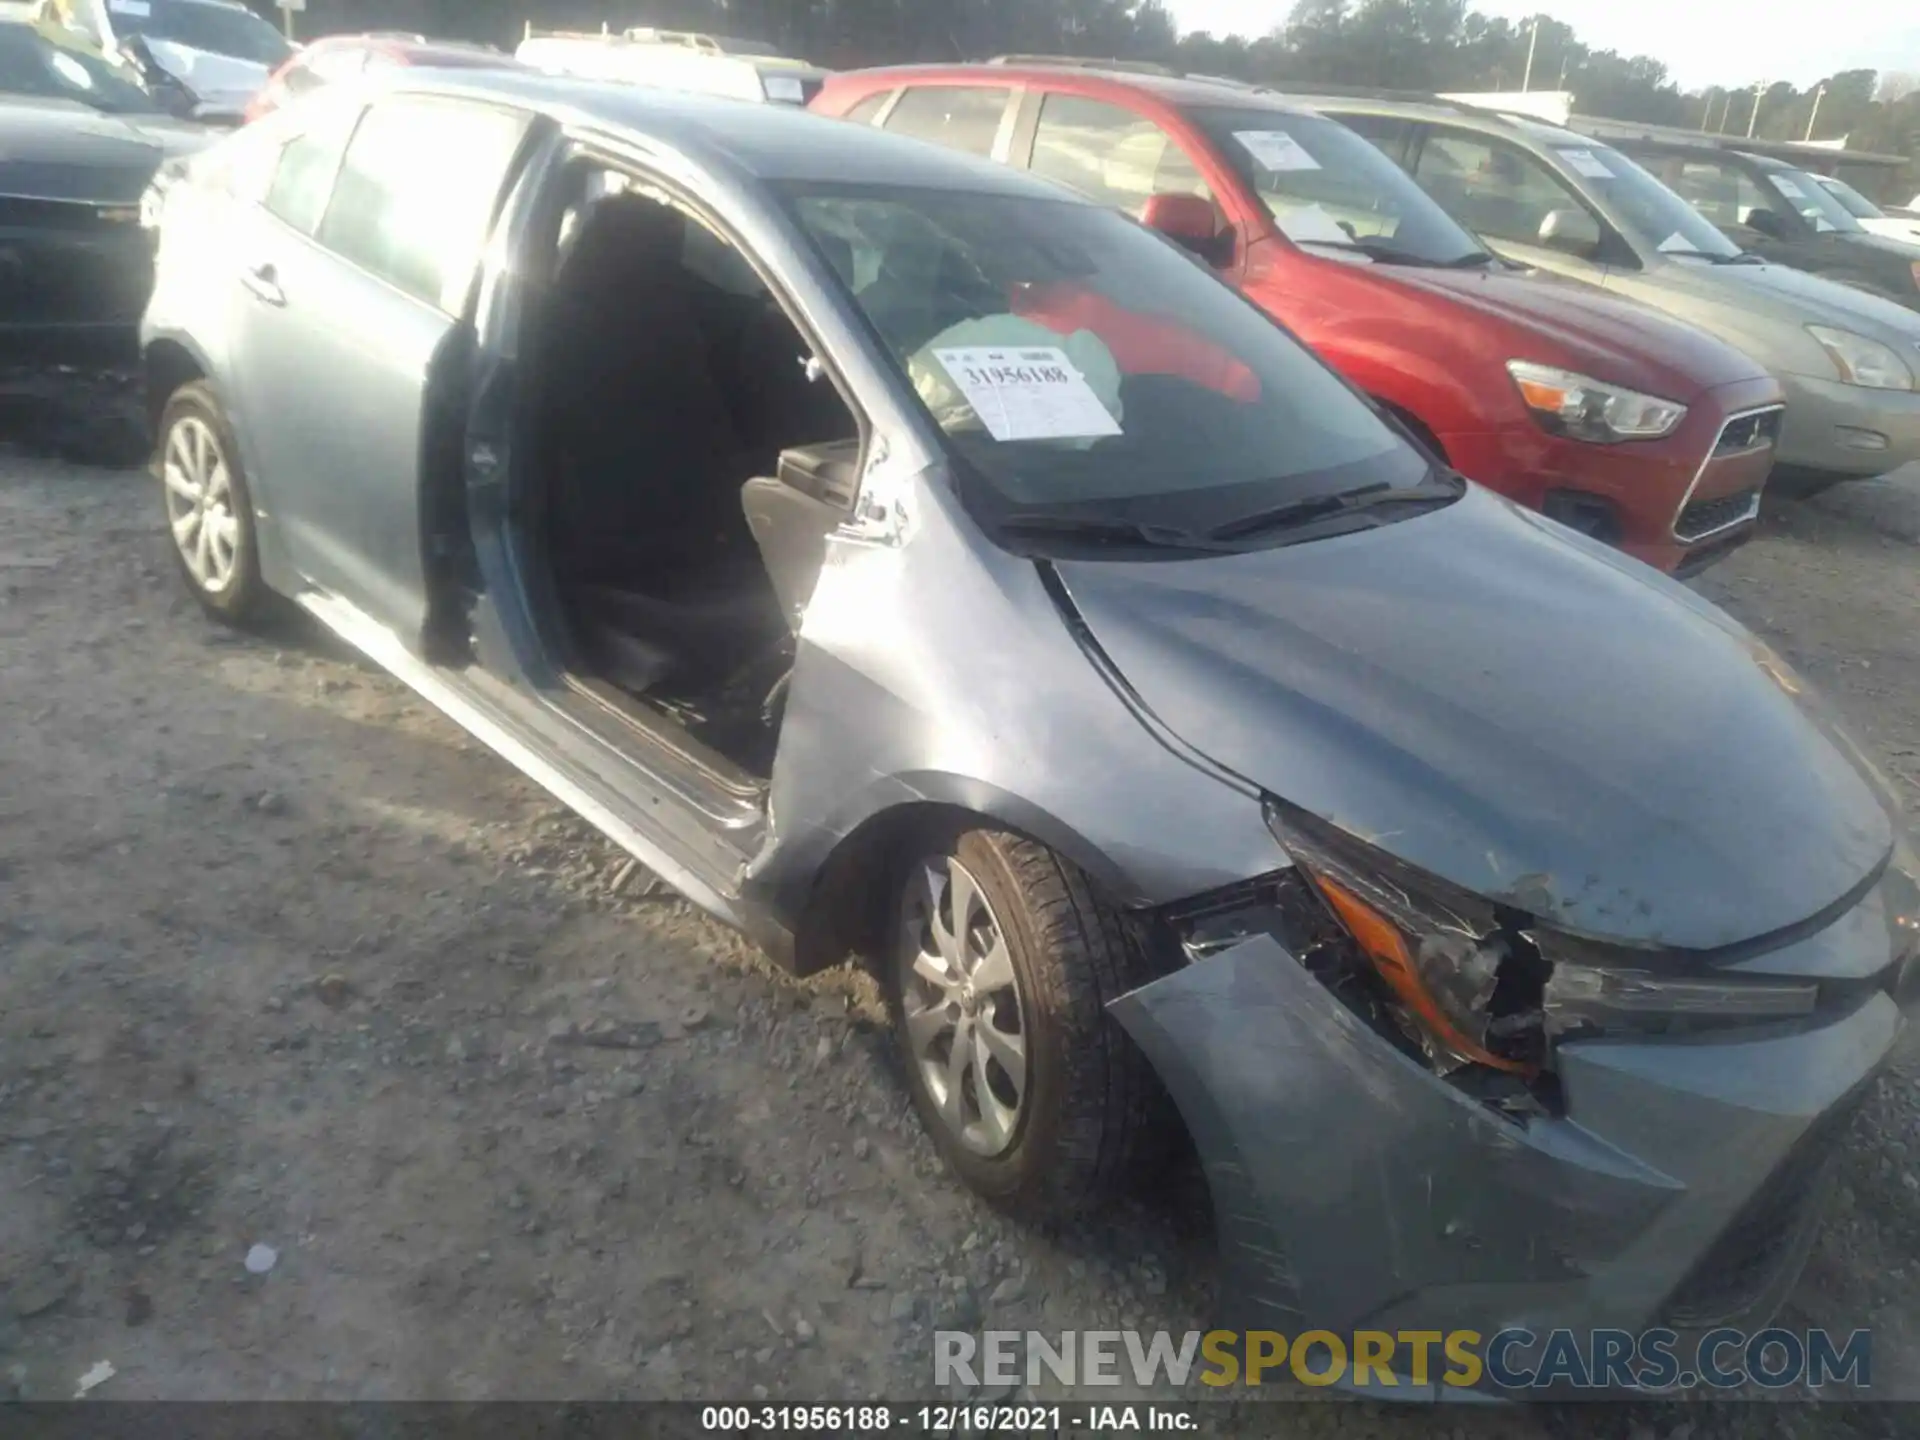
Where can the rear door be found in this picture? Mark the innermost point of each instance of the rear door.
(353, 283)
(976, 119)
(1109, 152)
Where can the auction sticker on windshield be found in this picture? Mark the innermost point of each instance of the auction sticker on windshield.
(1586, 163)
(1784, 184)
(1275, 150)
(1027, 393)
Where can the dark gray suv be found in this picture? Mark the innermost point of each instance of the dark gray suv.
(908, 559)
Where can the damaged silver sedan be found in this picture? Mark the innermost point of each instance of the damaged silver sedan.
(908, 560)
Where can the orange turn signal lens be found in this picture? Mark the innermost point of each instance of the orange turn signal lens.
(1386, 947)
(1550, 398)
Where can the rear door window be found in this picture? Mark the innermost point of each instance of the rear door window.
(1387, 132)
(1110, 153)
(867, 109)
(401, 210)
(1722, 193)
(960, 117)
(1502, 192)
(303, 172)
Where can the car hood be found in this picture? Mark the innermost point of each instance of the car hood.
(1892, 227)
(1606, 336)
(59, 151)
(222, 81)
(1791, 297)
(1513, 708)
(1879, 245)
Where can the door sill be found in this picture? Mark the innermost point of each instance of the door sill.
(711, 885)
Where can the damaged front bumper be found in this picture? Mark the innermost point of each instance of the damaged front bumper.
(1357, 1190)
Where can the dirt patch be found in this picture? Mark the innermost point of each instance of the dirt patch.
(287, 961)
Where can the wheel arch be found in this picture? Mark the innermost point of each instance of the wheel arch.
(168, 362)
(846, 905)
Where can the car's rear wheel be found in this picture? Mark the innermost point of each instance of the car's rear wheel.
(1002, 962)
(208, 507)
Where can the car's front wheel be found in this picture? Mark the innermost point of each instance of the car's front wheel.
(1003, 960)
(209, 510)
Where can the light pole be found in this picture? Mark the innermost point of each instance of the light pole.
(1533, 39)
(1818, 96)
(1754, 118)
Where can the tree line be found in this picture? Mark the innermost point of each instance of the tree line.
(1398, 44)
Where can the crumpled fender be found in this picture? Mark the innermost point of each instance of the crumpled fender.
(1345, 1176)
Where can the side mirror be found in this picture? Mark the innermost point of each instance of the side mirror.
(1571, 232)
(1766, 222)
(1189, 221)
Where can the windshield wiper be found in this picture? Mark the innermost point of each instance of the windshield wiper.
(1739, 257)
(1103, 530)
(1320, 507)
(1390, 254)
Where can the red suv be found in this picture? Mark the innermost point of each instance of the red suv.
(1629, 426)
(335, 58)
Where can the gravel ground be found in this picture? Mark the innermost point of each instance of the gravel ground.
(337, 1061)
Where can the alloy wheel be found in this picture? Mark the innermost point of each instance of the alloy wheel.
(200, 503)
(960, 998)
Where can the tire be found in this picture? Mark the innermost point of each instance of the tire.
(208, 507)
(1090, 1116)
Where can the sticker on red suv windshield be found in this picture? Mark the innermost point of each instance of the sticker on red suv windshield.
(1786, 187)
(1027, 393)
(1586, 163)
(1275, 150)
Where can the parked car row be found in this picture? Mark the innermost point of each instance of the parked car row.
(1425, 282)
(908, 557)
(1275, 210)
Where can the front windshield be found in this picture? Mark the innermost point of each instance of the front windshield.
(1083, 364)
(218, 29)
(31, 64)
(1855, 204)
(1641, 204)
(1809, 197)
(1326, 186)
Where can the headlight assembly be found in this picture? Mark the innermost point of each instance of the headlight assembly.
(1468, 992)
(1479, 984)
(1863, 362)
(1583, 408)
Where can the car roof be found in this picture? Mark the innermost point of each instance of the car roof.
(764, 141)
(1446, 112)
(1174, 89)
(1700, 148)
(402, 42)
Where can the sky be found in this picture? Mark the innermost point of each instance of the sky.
(1702, 42)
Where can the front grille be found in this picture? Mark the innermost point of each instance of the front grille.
(1703, 517)
(1770, 1237)
(1748, 432)
(54, 278)
(66, 215)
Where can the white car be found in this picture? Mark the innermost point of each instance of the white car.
(1896, 224)
(219, 51)
(674, 60)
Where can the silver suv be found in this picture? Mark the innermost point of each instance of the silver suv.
(1550, 199)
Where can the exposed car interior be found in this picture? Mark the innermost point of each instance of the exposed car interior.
(692, 459)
